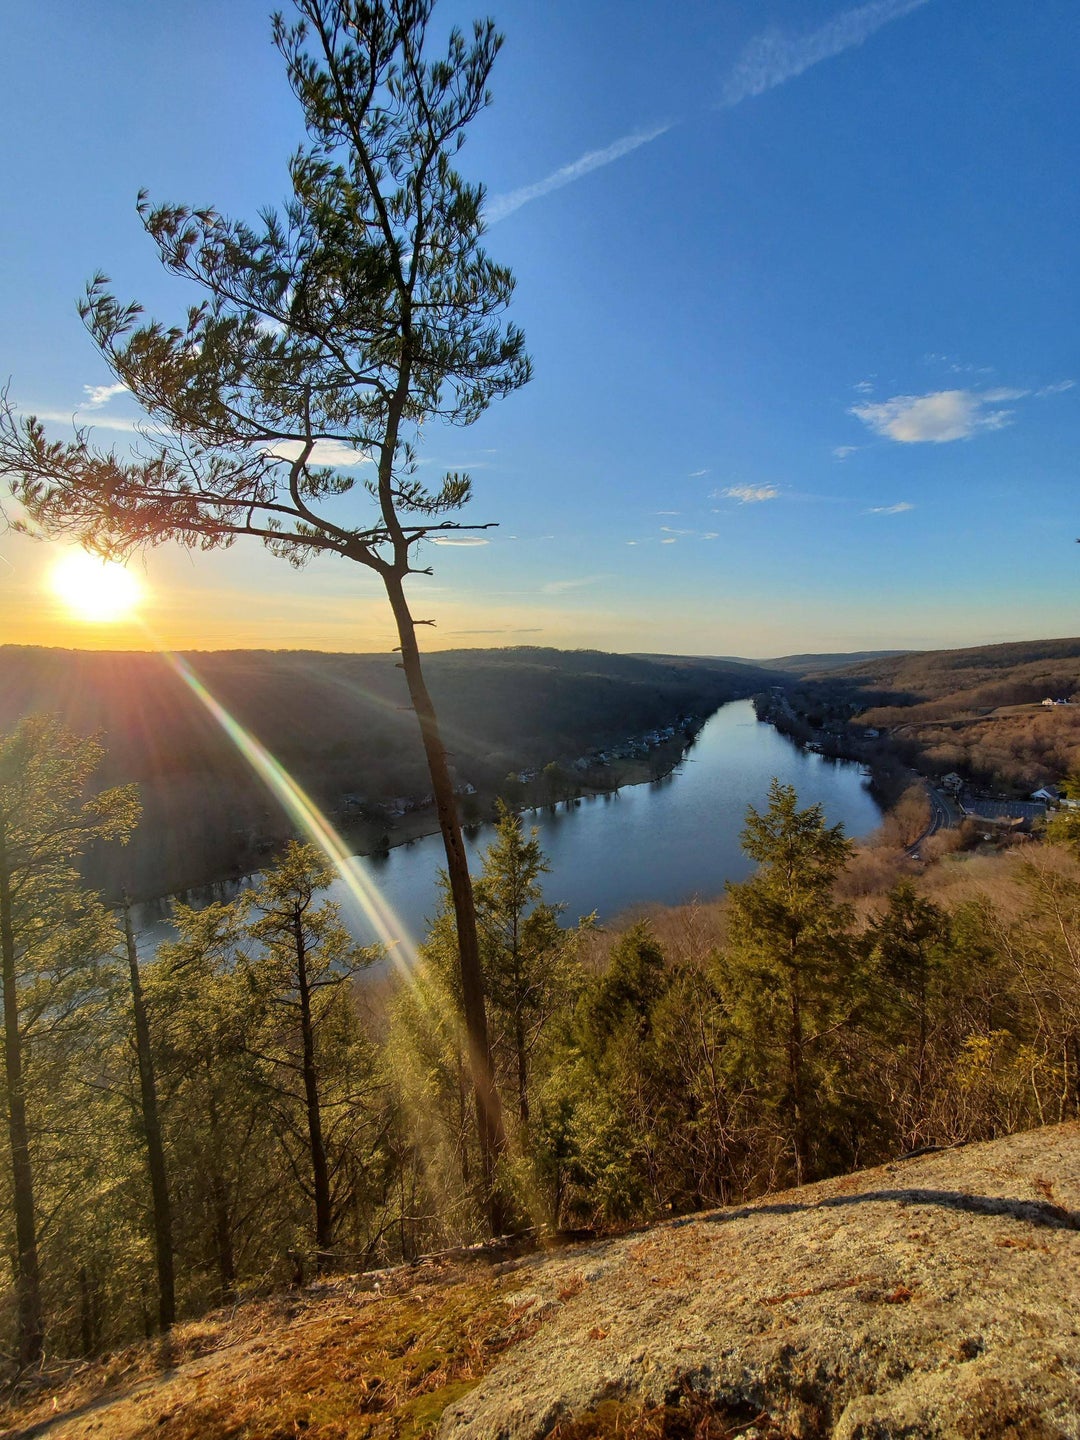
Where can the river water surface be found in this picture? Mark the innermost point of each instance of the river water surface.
(664, 842)
(659, 843)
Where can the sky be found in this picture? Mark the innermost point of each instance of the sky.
(799, 283)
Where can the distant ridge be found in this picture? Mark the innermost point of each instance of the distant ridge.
(804, 664)
(341, 725)
(799, 664)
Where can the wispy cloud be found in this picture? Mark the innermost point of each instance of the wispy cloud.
(841, 452)
(668, 512)
(458, 540)
(101, 422)
(670, 540)
(747, 494)
(1057, 389)
(500, 206)
(897, 509)
(955, 366)
(941, 416)
(772, 58)
(98, 395)
(864, 387)
(776, 56)
(332, 453)
(697, 474)
(557, 587)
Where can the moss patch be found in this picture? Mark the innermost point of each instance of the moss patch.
(340, 1366)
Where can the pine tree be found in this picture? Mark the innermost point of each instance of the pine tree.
(527, 956)
(789, 962)
(300, 978)
(52, 931)
(908, 947)
(225, 1182)
(150, 1125)
(367, 309)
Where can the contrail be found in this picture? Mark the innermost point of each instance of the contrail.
(774, 57)
(500, 206)
(771, 59)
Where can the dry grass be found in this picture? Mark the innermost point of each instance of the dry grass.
(692, 1418)
(339, 1364)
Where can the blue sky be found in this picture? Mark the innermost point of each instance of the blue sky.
(799, 282)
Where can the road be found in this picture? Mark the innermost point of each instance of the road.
(943, 816)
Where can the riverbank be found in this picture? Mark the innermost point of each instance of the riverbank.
(364, 836)
(647, 843)
(889, 776)
(375, 838)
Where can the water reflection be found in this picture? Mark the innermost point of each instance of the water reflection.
(662, 842)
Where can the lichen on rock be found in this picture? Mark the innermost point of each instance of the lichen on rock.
(935, 1296)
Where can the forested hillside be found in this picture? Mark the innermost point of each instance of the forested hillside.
(978, 676)
(340, 724)
(236, 1113)
(977, 711)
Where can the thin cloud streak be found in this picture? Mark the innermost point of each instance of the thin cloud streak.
(100, 422)
(747, 494)
(558, 587)
(500, 206)
(771, 59)
(774, 57)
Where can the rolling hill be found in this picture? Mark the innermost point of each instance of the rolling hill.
(339, 723)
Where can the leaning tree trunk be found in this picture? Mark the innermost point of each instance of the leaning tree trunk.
(151, 1126)
(488, 1108)
(320, 1170)
(27, 1274)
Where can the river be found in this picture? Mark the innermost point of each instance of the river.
(659, 843)
(663, 842)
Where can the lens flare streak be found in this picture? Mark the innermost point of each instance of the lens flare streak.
(310, 819)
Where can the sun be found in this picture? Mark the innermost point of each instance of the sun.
(95, 590)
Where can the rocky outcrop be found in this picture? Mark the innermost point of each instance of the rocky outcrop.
(935, 1296)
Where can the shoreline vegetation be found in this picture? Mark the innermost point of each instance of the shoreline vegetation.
(339, 726)
(373, 837)
(564, 788)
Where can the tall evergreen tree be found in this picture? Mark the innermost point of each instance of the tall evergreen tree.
(217, 1124)
(525, 952)
(51, 929)
(367, 309)
(150, 1117)
(909, 948)
(300, 977)
(789, 958)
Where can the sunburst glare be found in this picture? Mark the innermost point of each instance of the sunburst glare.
(96, 591)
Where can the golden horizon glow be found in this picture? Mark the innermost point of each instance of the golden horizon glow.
(95, 591)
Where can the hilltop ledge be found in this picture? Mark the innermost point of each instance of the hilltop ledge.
(936, 1296)
(933, 1296)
